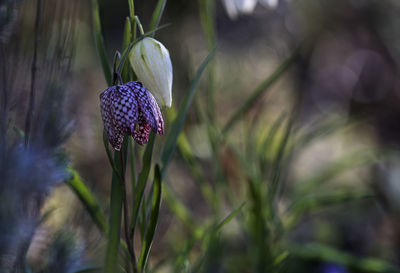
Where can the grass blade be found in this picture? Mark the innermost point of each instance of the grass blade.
(229, 217)
(132, 19)
(345, 163)
(153, 219)
(125, 44)
(179, 209)
(142, 180)
(207, 18)
(132, 161)
(157, 14)
(176, 128)
(111, 259)
(77, 185)
(99, 41)
(318, 201)
(259, 91)
(279, 160)
(314, 251)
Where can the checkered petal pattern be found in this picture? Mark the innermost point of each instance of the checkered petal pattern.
(130, 109)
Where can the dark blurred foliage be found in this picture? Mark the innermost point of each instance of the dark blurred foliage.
(63, 255)
(352, 66)
(348, 63)
(36, 50)
(353, 63)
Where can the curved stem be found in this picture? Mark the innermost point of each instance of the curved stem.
(125, 204)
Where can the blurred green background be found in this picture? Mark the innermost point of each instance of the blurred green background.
(312, 166)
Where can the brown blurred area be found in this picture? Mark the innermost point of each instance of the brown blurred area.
(348, 66)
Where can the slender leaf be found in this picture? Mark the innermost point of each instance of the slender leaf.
(207, 17)
(111, 259)
(142, 181)
(133, 162)
(229, 217)
(157, 14)
(125, 44)
(345, 163)
(177, 126)
(99, 41)
(322, 127)
(267, 142)
(259, 91)
(321, 200)
(278, 161)
(184, 251)
(132, 19)
(314, 202)
(153, 219)
(176, 206)
(76, 183)
(326, 253)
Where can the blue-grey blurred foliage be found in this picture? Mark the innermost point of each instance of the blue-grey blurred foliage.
(34, 70)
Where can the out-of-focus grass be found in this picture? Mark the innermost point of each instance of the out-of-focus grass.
(245, 204)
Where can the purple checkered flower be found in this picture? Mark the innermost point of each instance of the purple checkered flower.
(130, 109)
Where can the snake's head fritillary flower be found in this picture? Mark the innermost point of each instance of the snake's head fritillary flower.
(151, 62)
(130, 109)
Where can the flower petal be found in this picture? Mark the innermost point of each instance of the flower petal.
(160, 129)
(114, 134)
(147, 105)
(125, 108)
(141, 134)
(130, 109)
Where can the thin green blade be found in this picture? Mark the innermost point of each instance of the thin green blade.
(77, 185)
(177, 126)
(157, 14)
(153, 219)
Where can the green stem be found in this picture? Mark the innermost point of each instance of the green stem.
(111, 259)
(142, 180)
(207, 16)
(157, 14)
(99, 41)
(133, 162)
(125, 203)
(132, 18)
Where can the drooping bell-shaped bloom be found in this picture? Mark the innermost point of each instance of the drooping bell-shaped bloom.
(130, 109)
(151, 62)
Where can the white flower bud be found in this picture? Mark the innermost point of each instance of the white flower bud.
(151, 62)
(236, 7)
(269, 3)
